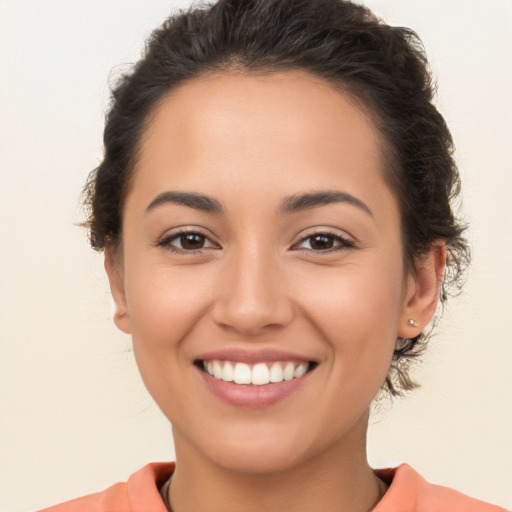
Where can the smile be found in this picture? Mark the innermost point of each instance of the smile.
(254, 378)
(259, 374)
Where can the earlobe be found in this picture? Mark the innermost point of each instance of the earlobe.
(114, 272)
(423, 292)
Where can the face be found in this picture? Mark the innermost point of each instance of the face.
(260, 241)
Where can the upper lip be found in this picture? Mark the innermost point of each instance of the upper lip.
(252, 356)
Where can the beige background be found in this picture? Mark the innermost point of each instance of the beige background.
(74, 416)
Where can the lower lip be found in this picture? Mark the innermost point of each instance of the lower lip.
(243, 395)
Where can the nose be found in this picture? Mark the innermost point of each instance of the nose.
(251, 293)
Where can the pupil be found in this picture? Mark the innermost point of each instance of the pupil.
(321, 242)
(192, 241)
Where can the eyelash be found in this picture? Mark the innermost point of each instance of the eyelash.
(166, 242)
(342, 242)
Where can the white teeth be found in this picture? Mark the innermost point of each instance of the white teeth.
(257, 375)
(228, 373)
(288, 371)
(260, 374)
(217, 370)
(300, 370)
(276, 373)
(242, 373)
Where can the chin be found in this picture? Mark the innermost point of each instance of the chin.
(257, 461)
(260, 450)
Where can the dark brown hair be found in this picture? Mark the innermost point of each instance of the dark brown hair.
(383, 68)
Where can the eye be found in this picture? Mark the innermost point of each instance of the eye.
(187, 241)
(324, 242)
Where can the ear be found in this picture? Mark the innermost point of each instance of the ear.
(116, 279)
(422, 293)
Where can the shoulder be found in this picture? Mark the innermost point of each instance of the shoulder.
(139, 493)
(410, 492)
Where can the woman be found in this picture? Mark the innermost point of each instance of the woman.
(274, 207)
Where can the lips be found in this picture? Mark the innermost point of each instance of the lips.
(253, 378)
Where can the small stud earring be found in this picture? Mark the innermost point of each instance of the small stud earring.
(413, 323)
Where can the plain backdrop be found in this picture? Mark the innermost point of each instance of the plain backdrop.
(74, 415)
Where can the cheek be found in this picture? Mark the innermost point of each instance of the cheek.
(359, 294)
(356, 309)
(164, 302)
(165, 305)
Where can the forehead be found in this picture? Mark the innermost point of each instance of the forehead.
(292, 128)
(231, 106)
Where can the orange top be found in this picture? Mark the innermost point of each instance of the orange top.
(408, 492)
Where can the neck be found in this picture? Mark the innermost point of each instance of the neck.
(338, 479)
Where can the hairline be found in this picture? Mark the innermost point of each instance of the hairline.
(387, 153)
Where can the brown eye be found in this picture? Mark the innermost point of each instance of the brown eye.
(192, 241)
(324, 242)
(321, 242)
(187, 241)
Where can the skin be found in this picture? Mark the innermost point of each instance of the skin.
(250, 142)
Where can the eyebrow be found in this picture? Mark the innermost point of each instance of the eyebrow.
(301, 202)
(190, 199)
(290, 205)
